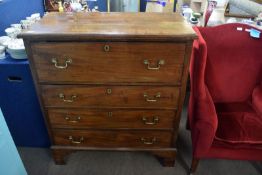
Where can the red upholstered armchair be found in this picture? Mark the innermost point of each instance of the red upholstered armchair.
(225, 108)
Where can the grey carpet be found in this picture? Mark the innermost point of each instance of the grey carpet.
(38, 161)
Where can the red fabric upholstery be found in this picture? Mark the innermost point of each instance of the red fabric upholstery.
(234, 63)
(200, 104)
(226, 93)
(257, 99)
(238, 125)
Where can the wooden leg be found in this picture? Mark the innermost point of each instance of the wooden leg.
(194, 165)
(168, 162)
(167, 158)
(59, 156)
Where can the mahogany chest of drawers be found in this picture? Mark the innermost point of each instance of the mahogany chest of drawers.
(111, 81)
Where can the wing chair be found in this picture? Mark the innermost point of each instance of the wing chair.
(225, 106)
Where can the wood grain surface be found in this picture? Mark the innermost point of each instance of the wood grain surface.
(111, 118)
(98, 138)
(107, 26)
(120, 96)
(123, 63)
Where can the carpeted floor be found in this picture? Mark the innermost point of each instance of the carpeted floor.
(38, 161)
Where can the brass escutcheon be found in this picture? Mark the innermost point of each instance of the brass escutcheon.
(109, 91)
(106, 48)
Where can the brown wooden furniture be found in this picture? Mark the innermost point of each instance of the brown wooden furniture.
(111, 81)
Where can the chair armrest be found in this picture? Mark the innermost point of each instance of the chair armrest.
(257, 99)
(201, 110)
(204, 125)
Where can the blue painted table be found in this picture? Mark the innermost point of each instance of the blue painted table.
(19, 104)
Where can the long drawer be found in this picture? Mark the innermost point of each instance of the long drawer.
(100, 138)
(95, 118)
(110, 96)
(114, 62)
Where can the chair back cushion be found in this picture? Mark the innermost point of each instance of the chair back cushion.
(234, 62)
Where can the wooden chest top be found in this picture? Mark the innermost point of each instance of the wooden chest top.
(111, 26)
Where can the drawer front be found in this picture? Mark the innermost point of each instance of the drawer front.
(99, 138)
(88, 118)
(114, 62)
(113, 96)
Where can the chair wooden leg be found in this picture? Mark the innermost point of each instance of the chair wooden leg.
(194, 165)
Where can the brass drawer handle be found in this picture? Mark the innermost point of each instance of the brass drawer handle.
(106, 48)
(152, 99)
(148, 141)
(71, 100)
(153, 122)
(81, 140)
(159, 64)
(67, 62)
(69, 119)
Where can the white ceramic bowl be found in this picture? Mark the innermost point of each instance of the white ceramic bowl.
(16, 49)
(4, 39)
(2, 56)
(16, 44)
(25, 24)
(36, 16)
(2, 52)
(17, 26)
(2, 49)
(6, 43)
(11, 32)
(17, 54)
